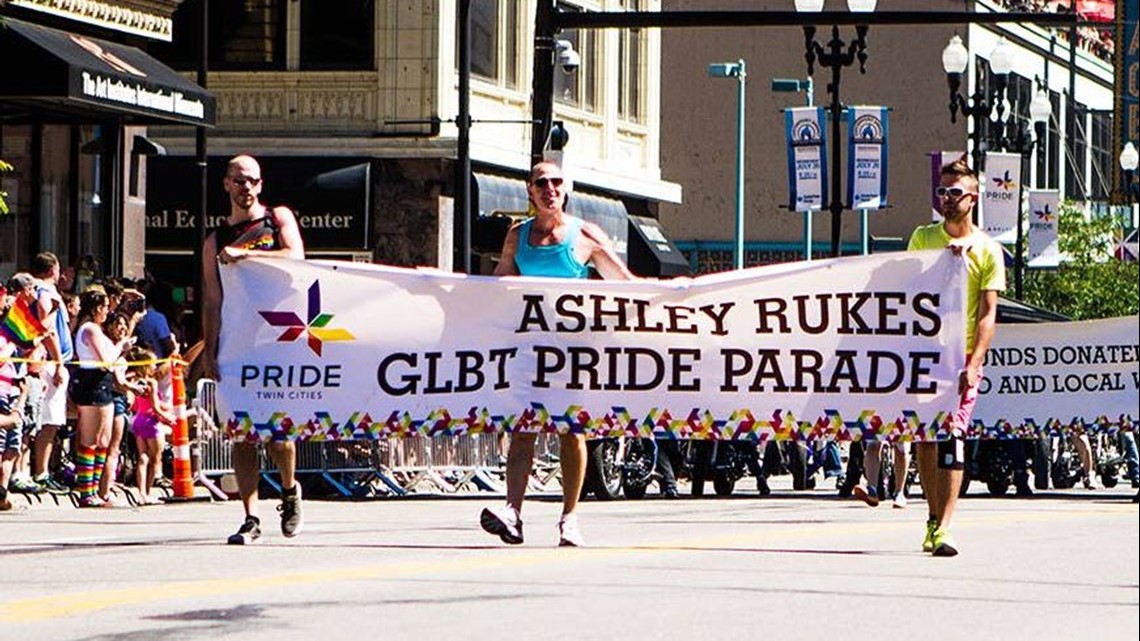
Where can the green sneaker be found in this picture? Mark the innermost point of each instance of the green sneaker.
(944, 543)
(928, 542)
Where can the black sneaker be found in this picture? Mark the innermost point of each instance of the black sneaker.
(290, 509)
(248, 533)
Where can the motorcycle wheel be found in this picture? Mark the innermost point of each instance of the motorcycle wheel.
(634, 491)
(1108, 479)
(605, 469)
(723, 484)
(998, 487)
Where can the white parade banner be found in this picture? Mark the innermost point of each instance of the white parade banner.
(1048, 374)
(1044, 214)
(1001, 196)
(859, 346)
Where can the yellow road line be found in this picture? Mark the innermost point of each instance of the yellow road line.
(67, 604)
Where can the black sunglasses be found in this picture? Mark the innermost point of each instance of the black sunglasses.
(542, 182)
(953, 192)
(241, 181)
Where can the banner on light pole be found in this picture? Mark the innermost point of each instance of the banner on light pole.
(1044, 212)
(807, 158)
(938, 160)
(1001, 196)
(867, 151)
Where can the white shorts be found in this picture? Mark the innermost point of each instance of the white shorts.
(55, 396)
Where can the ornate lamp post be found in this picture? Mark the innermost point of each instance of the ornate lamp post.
(836, 55)
(979, 105)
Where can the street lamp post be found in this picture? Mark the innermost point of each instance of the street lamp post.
(837, 55)
(1023, 144)
(1129, 159)
(739, 71)
(807, 86)
(978, 107)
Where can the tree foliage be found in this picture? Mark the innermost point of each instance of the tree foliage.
(1091, 283)
(3, 194)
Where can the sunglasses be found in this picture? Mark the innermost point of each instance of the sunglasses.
(541, 183)
(241, 181)
(952, 192)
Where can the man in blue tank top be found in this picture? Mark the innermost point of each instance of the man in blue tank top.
(552, 243)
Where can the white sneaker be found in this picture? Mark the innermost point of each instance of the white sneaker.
(569, 534)
(504, 522)
(900, 501)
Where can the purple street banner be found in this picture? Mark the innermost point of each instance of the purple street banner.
(807, 158)
(1041, 376)
(939, 159)
(1001, 196)
(868, 139)
(855, 347)
(1044, 215)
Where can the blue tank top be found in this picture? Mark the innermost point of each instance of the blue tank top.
(62, 328)
(558, 260)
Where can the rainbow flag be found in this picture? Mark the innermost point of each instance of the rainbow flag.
(21, 326)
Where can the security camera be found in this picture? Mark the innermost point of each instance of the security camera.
(568, 59)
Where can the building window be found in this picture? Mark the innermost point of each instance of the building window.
(494, 42)
(578, 88)
(337, 38)
(1076, 182)
(632, 45)
(1100, 151)
(247, 35)
(1048, 158)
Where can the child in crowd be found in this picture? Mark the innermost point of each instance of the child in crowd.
(115, 327)
(154, 417)
(11, 416)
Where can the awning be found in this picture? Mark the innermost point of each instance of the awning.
(74, 72)
(651, 253)
(500, 195)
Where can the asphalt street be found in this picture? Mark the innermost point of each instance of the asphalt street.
(796, 565)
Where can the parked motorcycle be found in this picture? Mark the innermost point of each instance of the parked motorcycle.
(619, 465)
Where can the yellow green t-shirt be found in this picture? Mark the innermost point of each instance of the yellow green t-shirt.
(985, 267)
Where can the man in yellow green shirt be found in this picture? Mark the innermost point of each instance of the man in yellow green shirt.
(941, 465)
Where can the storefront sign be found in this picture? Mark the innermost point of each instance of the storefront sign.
(331, 197)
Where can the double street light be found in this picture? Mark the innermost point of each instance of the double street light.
(835, 56)
(979, 105)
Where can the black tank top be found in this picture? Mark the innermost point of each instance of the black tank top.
(259, 233)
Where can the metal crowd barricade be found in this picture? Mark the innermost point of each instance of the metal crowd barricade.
(394, 466)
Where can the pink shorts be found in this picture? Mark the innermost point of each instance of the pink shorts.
(960, 420)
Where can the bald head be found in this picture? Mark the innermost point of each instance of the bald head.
(243, 183)
(243, 165)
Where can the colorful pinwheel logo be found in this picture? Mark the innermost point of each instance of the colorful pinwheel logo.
(1005, 182)
(316, 328)
(1045, 215)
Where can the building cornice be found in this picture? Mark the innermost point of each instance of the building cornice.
(149, 19)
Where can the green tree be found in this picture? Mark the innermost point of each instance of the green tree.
(1091, 283)
(3, 194)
